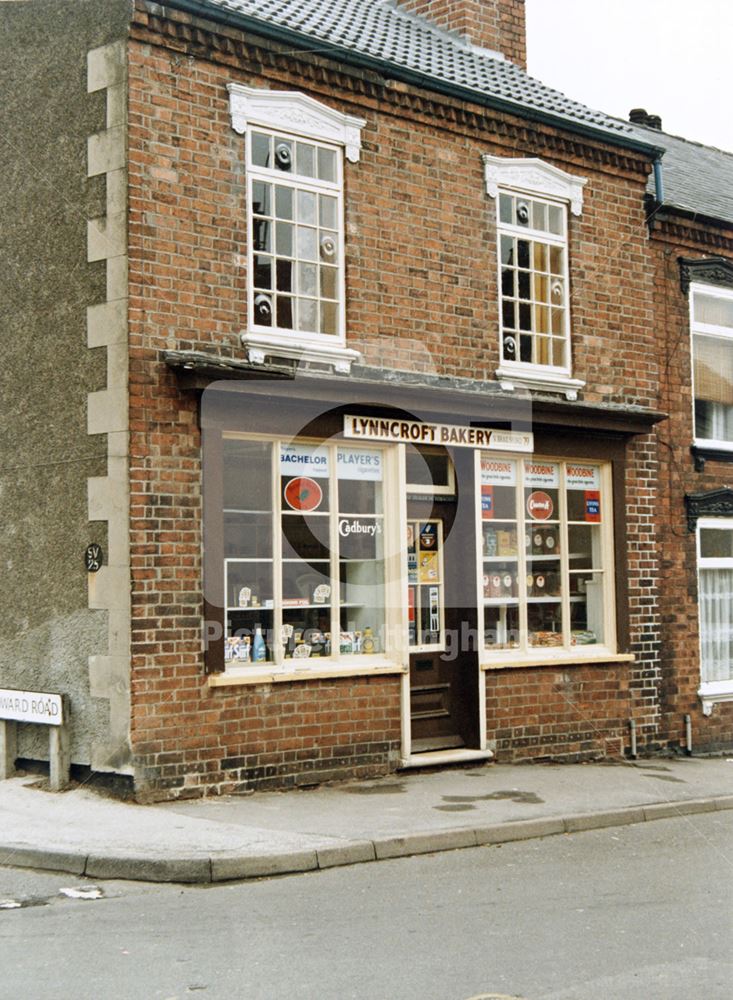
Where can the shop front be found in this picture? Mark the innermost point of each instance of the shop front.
(358, 539)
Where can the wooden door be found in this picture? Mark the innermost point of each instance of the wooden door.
(442, 618)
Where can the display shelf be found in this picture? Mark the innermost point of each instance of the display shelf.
(543, 558)
(245, 510)
(499, 559)
(554, 600)
(501, 602)
(259, 610)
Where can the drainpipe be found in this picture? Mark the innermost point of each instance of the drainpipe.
(658, 181)
(632, 731)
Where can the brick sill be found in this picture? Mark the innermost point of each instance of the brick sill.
(560, 659)
(275, 675)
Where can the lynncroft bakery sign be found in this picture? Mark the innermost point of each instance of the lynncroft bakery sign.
(419, 432)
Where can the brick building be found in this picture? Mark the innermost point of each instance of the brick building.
(355, 342)
(691, 240)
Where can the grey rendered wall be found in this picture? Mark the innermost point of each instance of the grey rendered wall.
(53, 629)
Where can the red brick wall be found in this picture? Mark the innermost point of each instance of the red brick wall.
(680, 650)
(494, 24)
(421, 295)
(569, 712)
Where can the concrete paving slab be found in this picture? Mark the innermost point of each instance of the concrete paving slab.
(274, 833)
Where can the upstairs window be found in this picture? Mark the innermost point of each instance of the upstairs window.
(532, 201)
(712, 362)
(295, 230)
(296, 233)
(534, 282)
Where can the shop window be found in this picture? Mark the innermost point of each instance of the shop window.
(295, 232)
(304, 552)
(546, 574)
(532, 200)
(715, 588)
(711, 316)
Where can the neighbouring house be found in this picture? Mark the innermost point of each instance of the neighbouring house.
(340, 336)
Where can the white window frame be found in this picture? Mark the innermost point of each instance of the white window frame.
(707, 330)
(544, 182)
(601, 652)
(392, 658)
(297, 116)
(711, 692)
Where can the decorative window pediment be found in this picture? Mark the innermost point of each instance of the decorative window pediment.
(294, 112)
(535, 177)
(714, 503)
(706, 270)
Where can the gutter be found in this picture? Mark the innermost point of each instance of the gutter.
(266, 29)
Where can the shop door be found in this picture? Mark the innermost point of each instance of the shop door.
(442, 623)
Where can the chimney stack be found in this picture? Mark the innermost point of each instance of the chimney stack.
(493, 24)
(640, 116)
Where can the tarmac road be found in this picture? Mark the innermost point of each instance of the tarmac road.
(634, 911)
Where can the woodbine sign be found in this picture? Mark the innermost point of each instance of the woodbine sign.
(418, 432)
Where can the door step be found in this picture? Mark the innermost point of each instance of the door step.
(429, 743)
(439, 758)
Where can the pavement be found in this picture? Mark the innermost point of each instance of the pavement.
(276, 833)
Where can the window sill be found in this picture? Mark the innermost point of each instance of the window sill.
(511, 378)
(711, 451)
(239, 676)
(561, 658)
(298, 348)
(714, 691)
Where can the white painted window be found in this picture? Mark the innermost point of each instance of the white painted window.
(545, 557)
(295, 224)
(715, 590)
(306, 550)
(532, 201)
(711, 319)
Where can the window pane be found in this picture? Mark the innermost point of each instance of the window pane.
(263, 272)
(329, 318)
(508, 314)
(262, 234)
(507, 250)
(556, 260)
(307, 315)
(285, 276)
(326, 164)
(557, 291)
(540, 257)
(523, 212)
(509, 345)
(328, 247)
(328, 211)
(329, 282)
(716, 624)
(523, 253)
(713, 310)
(308, 279)
(541, 288)
(558, 353)
(525, 316)
(306, 161)
(507, 281)
(283, 155)
(523, 283)
(283, 202)
(247, 475)
(716, 543)
(713, 365)
(306, 243)
(539, 215)
(505, 208)
(555, 222)
(285, 312)
(261, 198)
(263, 310)
(261, 149)
(586, 608)
(307, 207)
(284, 239)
